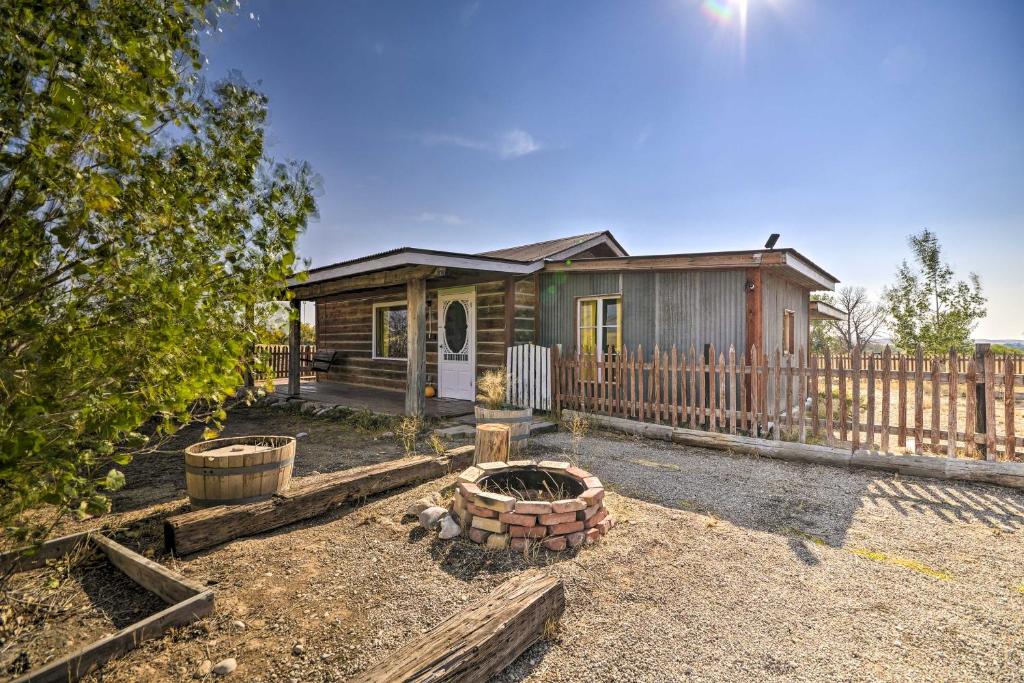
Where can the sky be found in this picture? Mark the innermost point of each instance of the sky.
(679, 125)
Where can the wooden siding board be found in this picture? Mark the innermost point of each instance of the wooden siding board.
(344, 322)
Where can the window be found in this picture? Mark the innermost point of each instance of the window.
(788, 327)
(390, 330)
(599, 325)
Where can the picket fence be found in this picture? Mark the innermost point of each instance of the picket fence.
(276, 358)
(528, 376)
(859, 400)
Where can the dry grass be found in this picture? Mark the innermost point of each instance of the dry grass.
(491, 388)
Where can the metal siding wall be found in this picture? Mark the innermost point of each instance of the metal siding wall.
(780, 294)
(557, 301)
(676, 307)
(639, 309)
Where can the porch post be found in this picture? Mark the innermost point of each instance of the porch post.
(294, 337)
(416, 365)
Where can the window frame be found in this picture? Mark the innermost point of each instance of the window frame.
(373, 330)
(599, 324)
(788, 332)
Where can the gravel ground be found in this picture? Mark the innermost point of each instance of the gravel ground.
(721, 568)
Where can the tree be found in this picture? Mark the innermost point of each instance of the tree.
(927, 306)
(863, 320)
(139, 219)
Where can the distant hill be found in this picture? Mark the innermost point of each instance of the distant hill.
(1015, 343)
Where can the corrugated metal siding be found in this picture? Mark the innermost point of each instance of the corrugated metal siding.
(557, 299)
(778, 295)
(639, 309)
(678, 307)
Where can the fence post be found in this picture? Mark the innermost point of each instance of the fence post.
(980, 412)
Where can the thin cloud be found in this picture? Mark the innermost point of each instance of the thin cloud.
(517, 143)
(469, 11)
(442, 218)
(511, 144)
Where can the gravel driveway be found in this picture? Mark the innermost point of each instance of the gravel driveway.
(722, 568)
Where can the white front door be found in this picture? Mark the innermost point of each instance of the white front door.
(456, 343)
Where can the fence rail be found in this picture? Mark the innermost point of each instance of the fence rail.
(276, 358)
(885, 401)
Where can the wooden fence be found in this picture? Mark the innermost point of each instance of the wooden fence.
(276, 358)
(528, 376)
(885, 401)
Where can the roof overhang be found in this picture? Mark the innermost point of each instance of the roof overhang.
(400, 265)
(788, 262)
(822, 310)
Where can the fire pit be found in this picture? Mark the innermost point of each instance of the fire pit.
(518, 502)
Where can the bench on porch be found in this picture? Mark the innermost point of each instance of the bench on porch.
(323, 361)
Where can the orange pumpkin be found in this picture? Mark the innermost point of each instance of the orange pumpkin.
(429, 391)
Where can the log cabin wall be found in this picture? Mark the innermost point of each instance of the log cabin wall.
(344, 322)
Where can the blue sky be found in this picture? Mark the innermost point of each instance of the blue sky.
(469, 125)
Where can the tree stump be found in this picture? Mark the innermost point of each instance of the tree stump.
(492, 442)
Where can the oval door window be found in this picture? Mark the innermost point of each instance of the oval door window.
(456, 326)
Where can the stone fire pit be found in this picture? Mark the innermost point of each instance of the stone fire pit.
(512, 503)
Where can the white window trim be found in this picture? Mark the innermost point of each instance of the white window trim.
(373, 330)
(600, 319)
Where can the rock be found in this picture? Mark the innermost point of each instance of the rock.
(205, 667)
(430, 518)
(308, 408)
(238, 625)
(422, 504)
(225, 666)
(281, 405)
(302, 435)
(387, 435)
(298, 649)
(449, 528)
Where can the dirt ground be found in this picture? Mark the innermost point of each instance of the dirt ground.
(721, 568)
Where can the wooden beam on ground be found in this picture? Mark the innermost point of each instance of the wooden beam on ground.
(154, 577)
(480, 641)
(76, 665)
(205, 528)
(416, 364)
(187, 600)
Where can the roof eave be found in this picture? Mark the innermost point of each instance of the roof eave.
(416, 257)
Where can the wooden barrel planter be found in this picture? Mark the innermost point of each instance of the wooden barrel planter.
(238, 470)
(518, 420)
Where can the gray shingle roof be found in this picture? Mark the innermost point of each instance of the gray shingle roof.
(540, 250)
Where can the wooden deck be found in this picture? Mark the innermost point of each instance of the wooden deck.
(376, 400)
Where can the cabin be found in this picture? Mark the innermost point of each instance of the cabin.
(409, 318)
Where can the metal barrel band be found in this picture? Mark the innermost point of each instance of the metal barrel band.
(250, 469)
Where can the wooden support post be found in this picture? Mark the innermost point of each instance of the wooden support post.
(980, 407)
(510, 311)
(754, 315)
(294, 346)
(473, 645)
(250, 349)
(416, 363)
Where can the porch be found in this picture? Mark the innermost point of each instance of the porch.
(370, 398)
